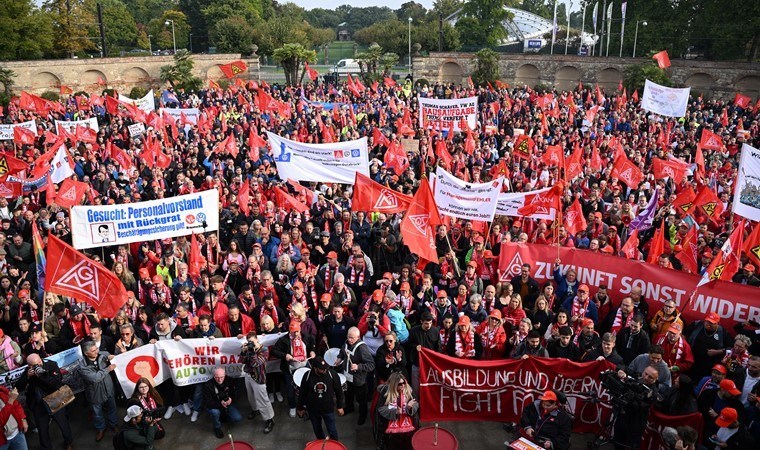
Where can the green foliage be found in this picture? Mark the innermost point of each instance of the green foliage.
(292, 57)
(138, 92)
(145, 10)
(358, 18)
(486, 67)
(51, 95)
(276, 32)
(392, 33)
(203, 14)
(232, 35)
(180, 74)
(162, 33)
(70, 20)
(323, 18)
(637, 74)
(244, 10)
(422, 82)
(78, 93)
(121, 29)
(109, 92)
(427, 36)
(320, 36)
(375, 61)
(541, 8)
(446, 7)
(481, 22)
(411, 9)
(27, 32)
(7, 80)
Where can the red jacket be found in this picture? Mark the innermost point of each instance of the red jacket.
(247, 326)
(10, 409)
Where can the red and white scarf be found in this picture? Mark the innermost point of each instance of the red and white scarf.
(298, 349)
(271, 313)
(618, 324)
(673, 352)
(328, 277)
(403, 423)
(445, 334)
(579, 311)
(465, 343)
(352, 279)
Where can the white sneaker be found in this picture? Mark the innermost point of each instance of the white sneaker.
(180, 408)
(271, 398)
(279, 397)
(188, 407)
(194, 417)
(169, 412)
(292, 412)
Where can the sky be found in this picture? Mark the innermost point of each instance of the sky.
(332, 4)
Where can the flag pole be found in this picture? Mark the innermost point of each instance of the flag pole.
(455, 258)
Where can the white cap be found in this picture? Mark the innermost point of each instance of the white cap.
(132, 412)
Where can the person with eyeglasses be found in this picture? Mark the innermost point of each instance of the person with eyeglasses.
(664, 318)
(128, 341)
(397, 410)
(390, 358)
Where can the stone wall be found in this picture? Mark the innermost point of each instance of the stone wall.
(119, 73)
(712, 78)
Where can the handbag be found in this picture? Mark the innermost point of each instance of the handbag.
(59, 399)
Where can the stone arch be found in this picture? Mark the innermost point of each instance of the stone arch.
(527, 74)
(214, 73)
(609, 78)
(450, 72)
(137, 76)
(90, 77)
(566, 78)
(45, 81)
(749, 85)
(701, 83)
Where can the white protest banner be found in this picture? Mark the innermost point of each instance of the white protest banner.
(510, 202)
(143, 362)
(747, 190)
(136, 129)
(445, 113)
(96, 226)
(147, 103)
(665, 101)
(192, 114)
(325, 163)
(470, 201)
(6, 130)
(71, 125)
(68, 361)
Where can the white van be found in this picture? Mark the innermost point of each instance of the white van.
(345, 66)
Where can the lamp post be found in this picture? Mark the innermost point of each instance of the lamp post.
(191, 42)
(636, 35)
(410, 45)
(150, 45)
(174, 37)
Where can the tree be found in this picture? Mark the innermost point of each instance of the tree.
(162, 33)
(482, 22)
(121, 29)
(7, 77)
(27, 32)
(374, 59)
(70, 22)
(635, 75)
(358, 18)
(392, 33)
(145, 10)
(292, 58)
(232, 35)
(276, 32)
(180, 74)
(541, 8)
(486, 67)
(319, 36)
(446, 7)
(411, 9)
(427, 35)
(324, 18)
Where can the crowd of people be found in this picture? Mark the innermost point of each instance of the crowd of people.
(335, 278)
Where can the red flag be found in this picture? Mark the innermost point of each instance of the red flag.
(396, 159)
(419, 223)
(684, 201)
(389, 82)
(195, 260)
(554, 156)
(86, 134)
(33, 103)
(689, 251)
(213, 84)
(65, 90)
(635, 96)
(10, 189)
(244, 196)
(662, 59)
(724, 118)
(9, 164)
(23, 135)
(658, 245)
(71, 273)
(727, 262)
(752, 245)
(101, 81)
(443, 153)
(71, 193)
(707, 201)
(573, 166)
(228, 145)
(548, 200)
(627, 172)
(313, 74)
(664, 169)
(235, 67)
(288, 202)
(631, 248)
(302, 190)
(575, 221)
(369, 195)
(378, 138)
(470, 83)
(524, 146)
(120, 156)
(742, 101)
(710, 141)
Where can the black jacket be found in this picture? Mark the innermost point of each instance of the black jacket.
(430, 339)
(40, 385)
(638, 346)
(214, 393)
(320, 393)
(571, 352)
(282, 348)
(555, 428)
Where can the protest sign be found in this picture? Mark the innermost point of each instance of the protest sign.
(447, 113)
(734, 302)
(498, 390)
(336, 162)
(508, 203)
(747, 192)
(68, 361)
(470, 201)
(136, 129)
(71, 125)
(6, 130)
(96, 226)
(665, 101)
(143, 362)
(146, 103)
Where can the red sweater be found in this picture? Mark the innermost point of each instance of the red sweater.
(10, 409)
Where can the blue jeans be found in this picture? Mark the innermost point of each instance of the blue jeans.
(231, 412)
(290, 390)
(316, 424)
(197, 397)
(17, 443)
(98, 418)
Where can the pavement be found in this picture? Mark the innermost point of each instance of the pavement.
(288, 434)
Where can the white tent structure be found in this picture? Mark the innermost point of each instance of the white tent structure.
(523, 25)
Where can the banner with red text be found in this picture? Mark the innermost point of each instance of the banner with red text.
(657, 421)
(459, 389)
(447, 114)
(732, 301)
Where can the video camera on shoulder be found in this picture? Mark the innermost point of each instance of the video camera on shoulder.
(624, 392)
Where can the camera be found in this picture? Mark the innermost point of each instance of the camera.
(624, 392)
(153, 413)
(372, 320)
(38, 370)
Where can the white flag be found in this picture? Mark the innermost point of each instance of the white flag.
(60, 168)
(623, 7)
(609, 12)
(593, 16)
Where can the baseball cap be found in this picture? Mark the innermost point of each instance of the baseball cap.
(549, 396)
(598, 215)
(675, 328)
(727, 415)
(377, 295)
(730, 387)
(749, 267)
(464, 320)
(318, 362)
(517, 224)
(332, 255)
(583, 288)
(294, 326)
(157, 279)
(473, 264)
(297, 284)
(388, 276)
(707, 254)
(495, 314)
(712, 318)
(143, 273)
(132, 412)
(300, 265)
(442, 294)
(76, 310)
(586, 322)
(326, 297)
(23, 293)
(720, 368)
(487, 254)
(325, 234)
(405, 286)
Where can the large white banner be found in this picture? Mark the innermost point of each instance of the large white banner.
(71, 125)
(147, 103)
(6, 130)
(68, 361)
(665, 101)
(327, 163)
(747, 190)
(443, 113)
(185, 362)
(510, 202)
(97, 226)
(192, 114)
(469, 201)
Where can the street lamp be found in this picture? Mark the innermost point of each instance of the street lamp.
(150, 45)
(174, 37)
(410, 44)
(636, 35)
(191, 42)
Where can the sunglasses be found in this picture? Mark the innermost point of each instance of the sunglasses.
(389, 340)
(401, 383)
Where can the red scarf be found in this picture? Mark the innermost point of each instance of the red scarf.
(465, 344)
(618, 324)
(403, 423)
(445, 334)
(461, 301)
(298, 349)
(273, 314)
(579, 311)
(328, 277)
(81, 329)
(32, 312)
(352, 278)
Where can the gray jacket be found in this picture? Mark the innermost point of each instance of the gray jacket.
(98, 385)
(362, 357)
